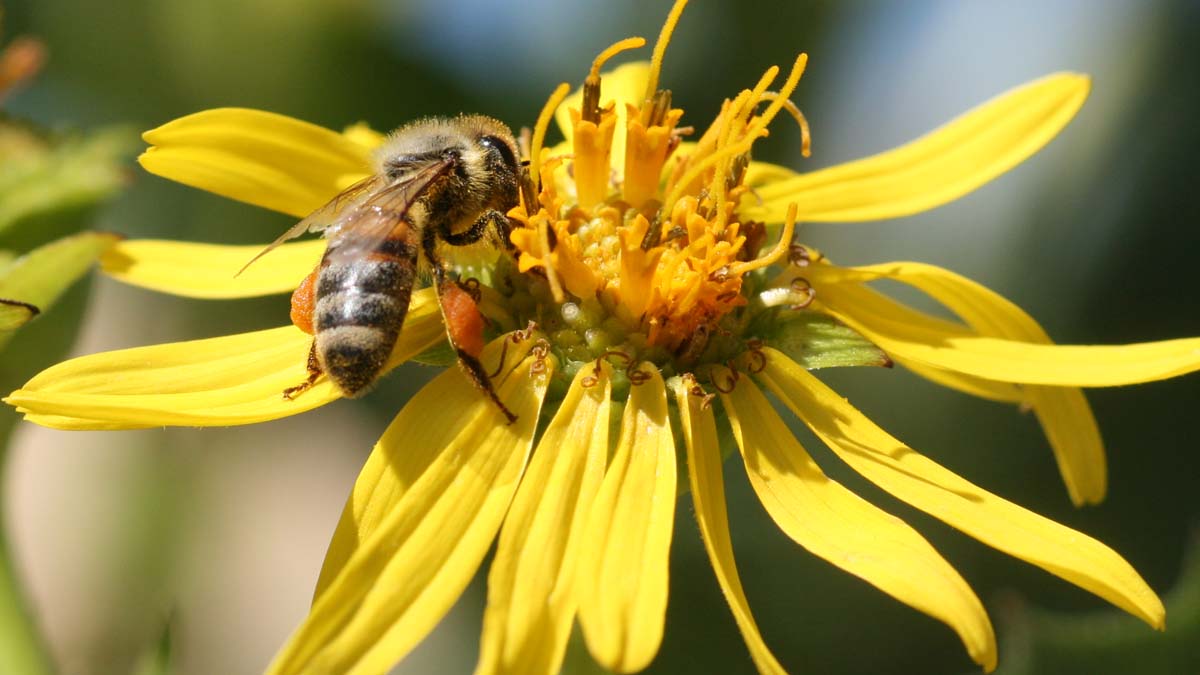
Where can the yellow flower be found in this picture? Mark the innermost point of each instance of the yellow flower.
(660, 288)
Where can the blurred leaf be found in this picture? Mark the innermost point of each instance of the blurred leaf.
(816, 341)
(14, 314)
(156, 659)
(1039, 642)
(39, 174)
(38, 278)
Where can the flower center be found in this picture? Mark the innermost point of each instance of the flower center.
(636, 248)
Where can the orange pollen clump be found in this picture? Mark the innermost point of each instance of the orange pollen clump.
(304, 301)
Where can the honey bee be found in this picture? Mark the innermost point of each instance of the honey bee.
(440, 180)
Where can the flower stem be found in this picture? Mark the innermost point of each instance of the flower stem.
(22, 649)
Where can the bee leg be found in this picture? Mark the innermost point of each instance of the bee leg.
(490, 218)
(475, 370)
(464, 326)
(314, 372)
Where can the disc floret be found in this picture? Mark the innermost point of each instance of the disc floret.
(632, 238)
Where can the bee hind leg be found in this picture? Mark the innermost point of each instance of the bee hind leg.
(314, 372)
(475, 370)
(464, 323)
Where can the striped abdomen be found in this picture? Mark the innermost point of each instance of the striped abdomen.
(360, 308)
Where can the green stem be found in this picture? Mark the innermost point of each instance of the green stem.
(21, 647)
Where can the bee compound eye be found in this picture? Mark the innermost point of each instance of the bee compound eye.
(502, 148)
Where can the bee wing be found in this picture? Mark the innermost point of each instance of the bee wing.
(362, 228)
(329, 215)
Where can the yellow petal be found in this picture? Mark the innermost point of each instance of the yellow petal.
(934, 169)
(448, 466)
(379, 488)
(624, 84)
(257, 157)
(708, 497)
(238, 379)
(869, 301)
(364, 135)
(1000, 392)
(1010, 360)
(531, 587)
(623, 566)
(928, 486)
(208, 270)
(840, 527)
(1064, 413)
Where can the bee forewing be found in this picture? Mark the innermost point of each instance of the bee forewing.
(334, 211)
(362, 229)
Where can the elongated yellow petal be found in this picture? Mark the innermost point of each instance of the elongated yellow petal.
(1000, 392)
(257, 157)
(364, 135)
(623, 566)
(1011, 360)
(624, 84)
(842, 528)
(238, 379)
(869, 301)
(455, 464)
(928, 486)
(531, 587)
(1063, 412)
(934, 169)
(208, 270)
(379, 487)
(708, 496)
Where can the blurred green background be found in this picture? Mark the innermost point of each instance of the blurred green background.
(223, 531)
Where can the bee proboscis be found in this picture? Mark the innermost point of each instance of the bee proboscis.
(437, 181)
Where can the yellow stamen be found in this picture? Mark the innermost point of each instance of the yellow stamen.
(729, 126)
(794, 111)
(784, 93)
(764, 82)
(589, 110)
(781, 247)
(660, 48)
(613, 50)
(703, 165)
(539, 129)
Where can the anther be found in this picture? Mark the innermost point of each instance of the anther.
(799, 256)
(758, 358)
(653, 233)
(801, 285)
(619, 354)
(637, 376)
(540, 351)
(590, 109)
(731, 376)
(528, 192)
